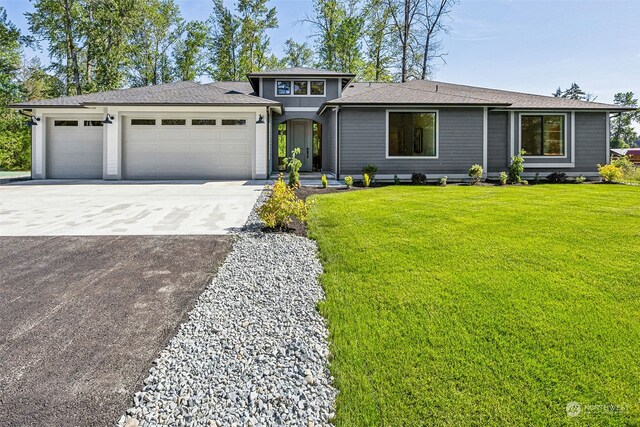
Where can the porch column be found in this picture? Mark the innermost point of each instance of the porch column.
(261, 145)
(38, 141)
(112, 169)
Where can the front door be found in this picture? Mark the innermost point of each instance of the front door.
(301, 138)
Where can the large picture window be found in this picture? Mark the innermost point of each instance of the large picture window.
(542, 135)
(412, 134)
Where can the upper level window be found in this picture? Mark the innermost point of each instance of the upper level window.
(317, 87)
(542, 135)
(412, 134)
(300, 88)
(284, 87)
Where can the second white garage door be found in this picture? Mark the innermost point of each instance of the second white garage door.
(207, 147)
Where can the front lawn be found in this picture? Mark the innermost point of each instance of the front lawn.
(483, 305)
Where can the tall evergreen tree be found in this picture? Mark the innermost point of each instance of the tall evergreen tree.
(224, 44)
(574, 92)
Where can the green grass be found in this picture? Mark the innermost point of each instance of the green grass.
(482, 305)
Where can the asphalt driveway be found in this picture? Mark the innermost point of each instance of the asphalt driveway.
(82, 318)
(75, 208)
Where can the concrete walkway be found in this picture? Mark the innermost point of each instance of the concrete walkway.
(74, 208)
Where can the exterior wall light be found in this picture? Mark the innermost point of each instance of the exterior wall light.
(33, 121)
(260, 119)
(108, 120)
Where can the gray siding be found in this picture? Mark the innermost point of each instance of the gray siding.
(498, 142)
(591, 140)
(331, 92)
(329, 144)
(363, 139)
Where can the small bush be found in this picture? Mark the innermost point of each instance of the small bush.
(610, 173)
(557, 178)
(325, 183)
(282, 206)
(524, 182)
(366, 180)
(475, 172)
(579, 179)
(625, 164)
(348, 181)
(396, 180)
(516, 168)
(503, 178)
(370, 170)
(418, 178)
(293, 165)
(443, 181)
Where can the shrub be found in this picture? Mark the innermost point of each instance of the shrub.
(475, 172)
(579, 179)
(370, 170)
(557, 178)
(418, 178)
(325, 183)
(443, 181)
(293, 166)
(282, 206)
(524, 182)
(625, 164)
(348, 181)
(516, 168)
(366, 180)
(610, 173)
(396, 180)
(503, 178)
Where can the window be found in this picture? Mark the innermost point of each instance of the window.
(234, 122)
(542, 135)
(65, 123)
(316, 132)
(412, 134)
(174, 122)
(93, 123)
(317, 87)
(282, 146)
(300, 87)
(143, 122)
(203, 122)
(284, 87)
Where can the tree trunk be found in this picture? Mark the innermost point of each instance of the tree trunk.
(405, 40)
(72, 49)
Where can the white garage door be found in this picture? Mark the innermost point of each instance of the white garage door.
(74, 148)
(195, 147)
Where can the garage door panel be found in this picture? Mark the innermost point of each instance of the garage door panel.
(187, 152)
(74, 152)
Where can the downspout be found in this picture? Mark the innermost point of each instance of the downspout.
(338, 142)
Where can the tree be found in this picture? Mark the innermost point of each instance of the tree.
(160, 27)
(623, 134)
(59, 22)
(378, 39)
(187, 53)
(297, 54)
(404, 14)
(14, 135)
(255, 19)
(433, 24)
(224, 44)
(574, 92)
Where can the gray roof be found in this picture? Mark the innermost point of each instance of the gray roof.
(242, 87)
(181, 93)
(299, 71)
(435, 92)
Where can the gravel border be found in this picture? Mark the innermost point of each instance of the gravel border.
(254, 350)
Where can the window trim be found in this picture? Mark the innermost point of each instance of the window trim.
(437, 138)
(302, 79)
(566, 135)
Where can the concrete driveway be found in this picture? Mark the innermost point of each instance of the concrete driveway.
(68, 208)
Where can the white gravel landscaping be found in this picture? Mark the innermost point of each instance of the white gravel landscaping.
(254, 350)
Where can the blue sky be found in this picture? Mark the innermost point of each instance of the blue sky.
(528, 46)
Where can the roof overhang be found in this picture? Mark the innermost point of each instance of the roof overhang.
(403, 105)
